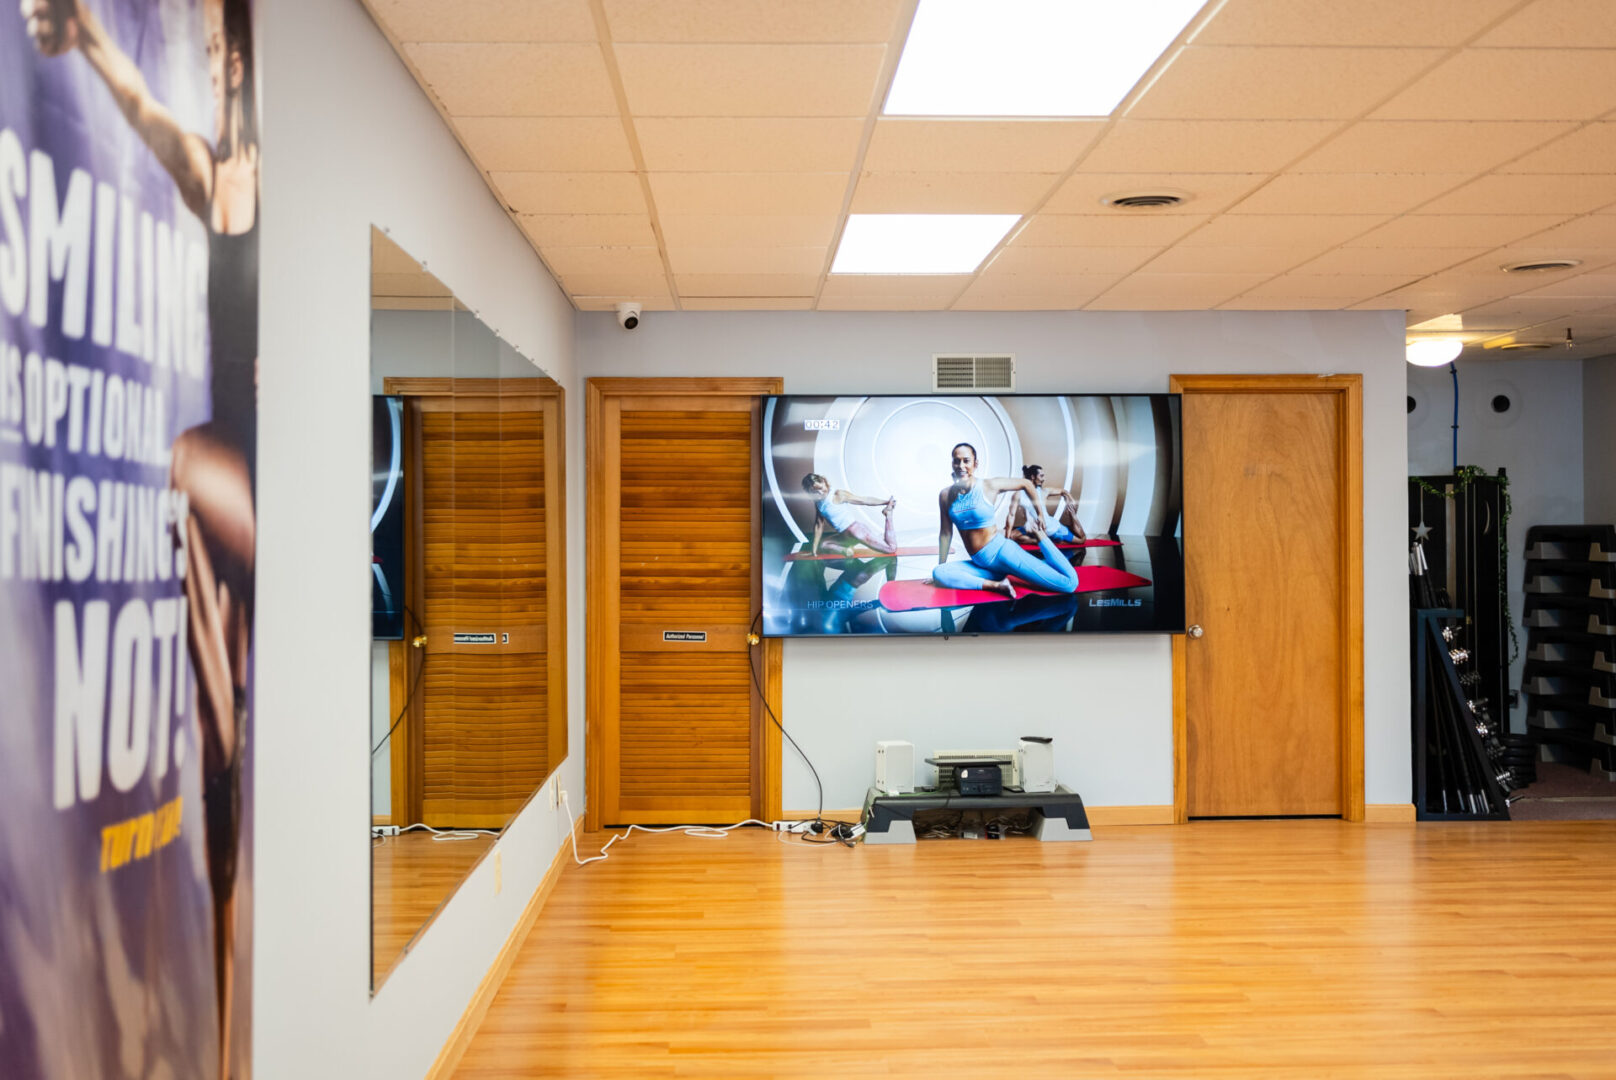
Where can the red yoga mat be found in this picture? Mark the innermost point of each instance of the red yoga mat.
(1068, 545)
(916, 595)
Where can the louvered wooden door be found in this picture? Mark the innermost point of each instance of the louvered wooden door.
(677, 724)
(489, 591)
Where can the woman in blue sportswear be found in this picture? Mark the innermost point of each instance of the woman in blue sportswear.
(968, 505)
(835, 520)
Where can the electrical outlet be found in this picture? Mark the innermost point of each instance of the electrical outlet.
(563, 795)
(499, 871)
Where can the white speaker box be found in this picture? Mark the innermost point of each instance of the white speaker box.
(1036, 756)
(895, 766)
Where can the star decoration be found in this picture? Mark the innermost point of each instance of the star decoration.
(1422, 531)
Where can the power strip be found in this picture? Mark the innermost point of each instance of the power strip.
(383, 830)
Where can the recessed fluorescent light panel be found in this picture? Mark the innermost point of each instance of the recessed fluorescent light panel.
(1030, 57)
(918, 243)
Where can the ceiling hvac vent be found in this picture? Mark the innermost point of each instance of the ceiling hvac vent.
(1145, 200)
(973, 373)
(1526, 346)
(1538, 266)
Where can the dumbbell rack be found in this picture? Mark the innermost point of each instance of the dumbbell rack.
(1570, 616)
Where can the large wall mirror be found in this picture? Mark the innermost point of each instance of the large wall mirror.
(468, 660)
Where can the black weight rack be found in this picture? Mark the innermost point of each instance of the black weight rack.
(1454, 779)
(1570, 616)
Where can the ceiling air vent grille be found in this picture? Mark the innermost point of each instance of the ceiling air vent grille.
(973, 373)
(1540, 266)
(1144, 200)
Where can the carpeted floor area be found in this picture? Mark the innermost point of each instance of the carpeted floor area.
(1565, 793)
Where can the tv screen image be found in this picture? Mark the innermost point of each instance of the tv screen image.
(387, 518)
(1051, 514)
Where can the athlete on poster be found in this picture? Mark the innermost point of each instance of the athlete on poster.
(972, 515)
(128, 438)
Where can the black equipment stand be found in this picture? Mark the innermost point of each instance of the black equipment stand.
(1057, 815)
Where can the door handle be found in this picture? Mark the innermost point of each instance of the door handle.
(1195, 630)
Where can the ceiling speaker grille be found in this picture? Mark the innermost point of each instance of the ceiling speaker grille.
(974, 373)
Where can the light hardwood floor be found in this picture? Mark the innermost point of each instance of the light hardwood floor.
(412, 874)
(1217, 949)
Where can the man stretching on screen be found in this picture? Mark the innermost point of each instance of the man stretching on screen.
(1061, 524)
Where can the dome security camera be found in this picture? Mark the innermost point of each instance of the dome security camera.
(628, 316)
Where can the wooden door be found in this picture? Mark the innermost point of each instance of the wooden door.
(1273, 697)
(677, 731)
(488, 589)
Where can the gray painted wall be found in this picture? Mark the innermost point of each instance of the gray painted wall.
(1599, 439)
(349, 139)
(1113, 733)
(1539, 440)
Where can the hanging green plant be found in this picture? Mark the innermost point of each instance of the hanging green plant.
(1463, 477)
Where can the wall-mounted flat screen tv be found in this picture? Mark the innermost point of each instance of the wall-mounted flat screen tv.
(1023, 513)
(387, 518)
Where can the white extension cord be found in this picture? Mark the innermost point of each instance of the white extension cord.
(704, 832)
(437, 834)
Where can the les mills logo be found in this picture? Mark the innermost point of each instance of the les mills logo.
(1119, 602)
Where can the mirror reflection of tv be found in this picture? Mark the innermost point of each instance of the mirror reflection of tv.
(387, 518)
(1026, 513)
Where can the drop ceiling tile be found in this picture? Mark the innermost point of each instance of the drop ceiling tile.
(1590, 286)
(1361, 22)
(1564, 23)
(569, 193)
(950, 193)
(621, 286)
(1521, 311)
(1455, 230)
(486, 20)
(414, 283)
(1522, 193)
(747, 303)
(1409, 262)
(1035, 259)
(792, 194)
(1114, 229)
(582, 230)
(746, 260)
(1251, 259)
(1511, 84)
(749, 80)
(746, 284)
(1330, 290)
(1145, 291)
(386, 257)
(1253, 302)
(380, 302)
(943, 287)
(1254, 83)
(1346, 193)
(1596, 231)
(1073, 286)
(1450, 290)
(657, 301)
(911, 144)
(1204, 145)
(749, 144)
(1444, 146)
(547, 144)
(884, 303)
(1591, 149)
(747, 230)
(752, 20)
(515, 80)
(1209, 192)
(569, 262)
(974, 300)
(1310, 233)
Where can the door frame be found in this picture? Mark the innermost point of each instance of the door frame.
(1348, 393)
(599, 601)
(407, 748)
